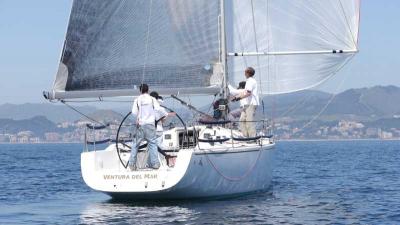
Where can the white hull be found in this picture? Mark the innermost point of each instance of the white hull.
(202, 175)
(206, 170)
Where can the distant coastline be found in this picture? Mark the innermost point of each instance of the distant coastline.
(282, 140)
(355, 114)
(333, 140)
(38, 143)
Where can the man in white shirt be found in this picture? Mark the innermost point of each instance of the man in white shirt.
(247, 125)
(145, 109)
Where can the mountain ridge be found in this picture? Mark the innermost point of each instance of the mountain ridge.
(362, 104)
(39, 125)
(55, 113)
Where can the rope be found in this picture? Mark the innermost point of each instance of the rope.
(348, 23)
(90, 101)
(240, 38)
(258, 58)
(297, 104)
(147, 40)
(269, 67)
(256, 43)
(250, 169)
(330, 100)
(196, 113)
(100, 100)
(212, 104)
(82, 114)
(273, 116)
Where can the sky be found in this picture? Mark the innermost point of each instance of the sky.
(32, 34)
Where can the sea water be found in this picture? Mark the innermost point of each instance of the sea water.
(340, 182)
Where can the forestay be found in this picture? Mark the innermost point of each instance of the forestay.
(292, 44)
(112, 47)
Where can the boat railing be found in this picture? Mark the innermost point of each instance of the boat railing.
(263, 128)
(190, 137)
(91, 132)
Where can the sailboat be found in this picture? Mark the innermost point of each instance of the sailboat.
(197, 47)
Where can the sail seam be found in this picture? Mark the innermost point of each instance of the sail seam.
(331, 99)
(348, 24)
(256, 43)
(147, 41)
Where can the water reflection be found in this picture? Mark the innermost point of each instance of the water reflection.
(133, 213)
(262, 208)
(228, 210)
(314, 183)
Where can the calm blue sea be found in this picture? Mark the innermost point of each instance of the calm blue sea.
(355, 182)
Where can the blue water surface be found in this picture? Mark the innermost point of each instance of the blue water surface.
(335, 182)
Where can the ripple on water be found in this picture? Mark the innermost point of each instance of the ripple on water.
(314, 183)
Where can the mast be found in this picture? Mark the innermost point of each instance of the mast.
(223, 51)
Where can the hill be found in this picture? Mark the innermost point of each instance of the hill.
(364, 104)
(105, 116)
(355, 113)
(55, 113)
(38, 125)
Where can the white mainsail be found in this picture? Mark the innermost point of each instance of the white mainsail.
(111, 47)
(291, 44)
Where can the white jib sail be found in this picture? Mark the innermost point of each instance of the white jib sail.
(292, 44)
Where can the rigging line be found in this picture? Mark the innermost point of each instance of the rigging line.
(147, 40)
(83, 101)
(190, 103)
(258, 57)
(256, 43)
(96, 100)
(235, 23)
(268, 48)
(348, 24)
(246, 174)
(269, 40)
(209, 109)
(330, 100)
(82, 114)
(268, 63)
(122, 116)
(298, 103)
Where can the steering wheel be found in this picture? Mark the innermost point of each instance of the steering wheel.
(123, 142)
